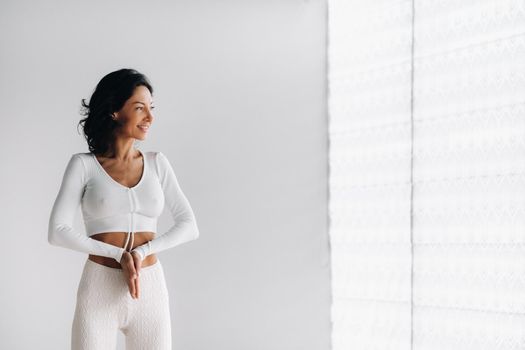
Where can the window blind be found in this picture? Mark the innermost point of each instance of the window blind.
(427, 174)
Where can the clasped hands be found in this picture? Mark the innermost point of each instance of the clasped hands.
(131, 265)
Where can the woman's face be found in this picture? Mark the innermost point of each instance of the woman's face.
(136, 116)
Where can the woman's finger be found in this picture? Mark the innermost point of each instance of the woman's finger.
(130, 273)
(131, 269)
(137, 286)
(132, 278)
(138, 263)
(131, 285)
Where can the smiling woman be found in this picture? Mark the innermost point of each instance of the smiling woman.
(122, 192)
(121, 103)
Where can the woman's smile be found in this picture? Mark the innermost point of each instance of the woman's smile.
(144, 127)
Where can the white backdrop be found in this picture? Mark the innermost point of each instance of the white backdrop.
(240, 112)
(427, 178)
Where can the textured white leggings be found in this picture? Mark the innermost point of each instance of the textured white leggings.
(104, 306)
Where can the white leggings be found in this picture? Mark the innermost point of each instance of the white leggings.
(104, 306)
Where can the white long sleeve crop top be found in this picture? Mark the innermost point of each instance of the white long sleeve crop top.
(108, 206)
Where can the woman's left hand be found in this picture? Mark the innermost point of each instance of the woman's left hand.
(130, 274)
(138, 264)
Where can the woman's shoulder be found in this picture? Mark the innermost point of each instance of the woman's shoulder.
(160, 160)
(155, 154)
(151, 155)
(84, 157)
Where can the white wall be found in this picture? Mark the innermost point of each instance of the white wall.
(427, 179)
(241, 113)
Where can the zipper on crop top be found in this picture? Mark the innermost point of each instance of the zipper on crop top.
(131, 229)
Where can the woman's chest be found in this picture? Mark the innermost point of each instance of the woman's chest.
(102, 198)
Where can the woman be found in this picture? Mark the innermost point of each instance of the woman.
(122, 192)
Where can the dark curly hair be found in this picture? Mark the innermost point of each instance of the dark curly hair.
(109, 96)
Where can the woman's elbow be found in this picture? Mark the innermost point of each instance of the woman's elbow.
(195, 230)
(54, 233)
(192, 227)
(196, 234)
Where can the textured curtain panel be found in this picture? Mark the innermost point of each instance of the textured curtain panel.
(427, 174)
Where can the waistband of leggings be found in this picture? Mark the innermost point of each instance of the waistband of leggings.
(114, 270)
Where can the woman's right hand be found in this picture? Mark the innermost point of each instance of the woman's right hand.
(130, 273)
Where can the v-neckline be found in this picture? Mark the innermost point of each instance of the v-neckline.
(144, 167)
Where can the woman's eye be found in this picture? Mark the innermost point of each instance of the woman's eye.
(138, 108)
(152, 107)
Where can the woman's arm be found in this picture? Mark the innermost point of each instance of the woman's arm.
(67, 202)
(185, 227)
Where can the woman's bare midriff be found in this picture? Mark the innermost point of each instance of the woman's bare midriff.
(119, 239)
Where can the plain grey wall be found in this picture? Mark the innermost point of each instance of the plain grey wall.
(240, 98)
